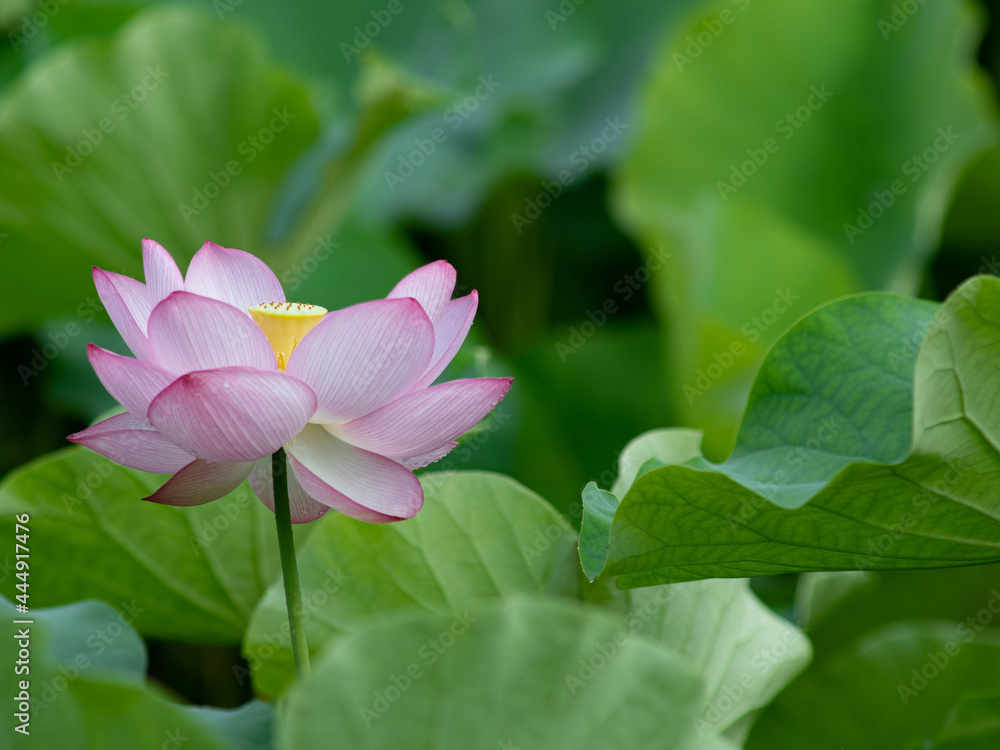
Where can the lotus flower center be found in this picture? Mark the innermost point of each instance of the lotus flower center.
(285, 324)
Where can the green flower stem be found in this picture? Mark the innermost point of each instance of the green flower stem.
(289, 569)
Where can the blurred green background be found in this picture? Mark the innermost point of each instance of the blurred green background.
(568, 158)
(645, 194)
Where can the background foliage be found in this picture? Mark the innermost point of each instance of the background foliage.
(649, 198)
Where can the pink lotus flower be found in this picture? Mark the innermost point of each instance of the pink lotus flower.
(227, 372)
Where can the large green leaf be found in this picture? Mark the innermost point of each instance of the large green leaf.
(557, 78)
(645, 453)
(520, 674)
(178, 128)
(85, 688)
(905, 687)
(191, 574)
(765, 131)
(478, 537)
(744, 653)
(249, 727)
(858, 450)
(104, 143)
